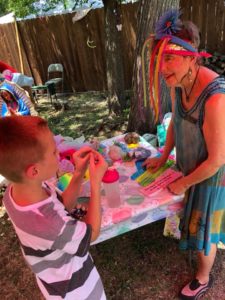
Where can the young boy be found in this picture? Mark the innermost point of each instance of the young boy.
(53, 243)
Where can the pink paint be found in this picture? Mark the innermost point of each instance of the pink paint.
(121, 215)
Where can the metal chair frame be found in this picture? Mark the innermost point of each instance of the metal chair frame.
(53, 68)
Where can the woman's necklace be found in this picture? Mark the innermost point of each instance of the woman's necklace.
(187, 95)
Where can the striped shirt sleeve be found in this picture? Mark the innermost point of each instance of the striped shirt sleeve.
(74, 238)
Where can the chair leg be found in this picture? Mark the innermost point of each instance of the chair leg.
(34, 94)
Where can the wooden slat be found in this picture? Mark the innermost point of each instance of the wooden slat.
(57, 39)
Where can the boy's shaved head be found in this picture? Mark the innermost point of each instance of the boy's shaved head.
(20, 144)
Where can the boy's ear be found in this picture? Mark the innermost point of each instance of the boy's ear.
(32, 171)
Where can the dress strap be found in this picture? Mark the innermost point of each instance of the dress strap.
(217, 86)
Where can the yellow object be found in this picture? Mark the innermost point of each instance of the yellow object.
(19, 46)
(87, 175)
(131, 146)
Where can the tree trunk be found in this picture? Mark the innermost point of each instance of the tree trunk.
(114, 60)
(141, 118)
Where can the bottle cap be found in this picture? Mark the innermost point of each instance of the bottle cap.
(111, 175)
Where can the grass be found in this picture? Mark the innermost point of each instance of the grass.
(87, 115)
(141, 264)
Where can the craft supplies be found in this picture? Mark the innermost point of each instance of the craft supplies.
(111, 186)
(148, 176)
(115, 153)
(167, 177)
(64, 181)
(140, 169)
(132, 138)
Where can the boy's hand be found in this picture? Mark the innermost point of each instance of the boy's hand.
(81, 159)
(154, 163)
(97, 168)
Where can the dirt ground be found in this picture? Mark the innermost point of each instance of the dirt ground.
(139, 265)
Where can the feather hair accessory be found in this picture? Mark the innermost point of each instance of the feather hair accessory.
(168, 24)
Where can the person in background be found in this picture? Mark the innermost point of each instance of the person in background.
(14, 100)
(197, 131)
(54, 244)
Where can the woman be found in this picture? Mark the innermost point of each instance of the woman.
(197, 132)
(14, 101)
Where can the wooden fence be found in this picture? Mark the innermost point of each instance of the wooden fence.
(209, 16)
(56, 39)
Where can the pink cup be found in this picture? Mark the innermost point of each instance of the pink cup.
(111, 186)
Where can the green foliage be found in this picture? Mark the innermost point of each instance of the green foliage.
(22, 8)
(3, 7)
(52, 4)
(78, 3)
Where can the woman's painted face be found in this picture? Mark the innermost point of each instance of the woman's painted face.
(174, 68)
(6, 95)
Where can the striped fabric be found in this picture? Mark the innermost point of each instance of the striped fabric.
(204, 213)
(56, 248)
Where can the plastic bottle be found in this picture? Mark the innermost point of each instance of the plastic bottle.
(111, 186)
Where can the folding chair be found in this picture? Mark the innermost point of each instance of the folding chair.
(56, 76)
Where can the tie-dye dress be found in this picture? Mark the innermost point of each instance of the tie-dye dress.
(203, 221)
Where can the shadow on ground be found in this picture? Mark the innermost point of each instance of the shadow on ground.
(84, 114)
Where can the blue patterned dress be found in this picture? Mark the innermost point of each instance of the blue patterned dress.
(203, 222)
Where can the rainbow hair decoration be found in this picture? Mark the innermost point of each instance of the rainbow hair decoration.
(157, 79)
(166, 28)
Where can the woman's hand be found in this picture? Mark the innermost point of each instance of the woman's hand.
(154, 163)
(178, 187)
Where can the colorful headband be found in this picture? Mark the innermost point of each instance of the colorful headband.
(166, 28)
(185, 48)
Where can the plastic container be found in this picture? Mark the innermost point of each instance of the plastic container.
(111, 186)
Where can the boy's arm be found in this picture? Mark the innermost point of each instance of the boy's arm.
(81, 159)
(97, 169)
(71, 193)
(93, 216)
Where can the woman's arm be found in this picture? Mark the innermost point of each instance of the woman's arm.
(156, 162)
(169, 145)
(170, 142)
(213, 130)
